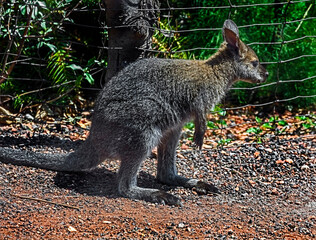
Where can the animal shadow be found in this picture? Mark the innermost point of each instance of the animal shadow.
(101, 182)
(97, 182)
(40, 142)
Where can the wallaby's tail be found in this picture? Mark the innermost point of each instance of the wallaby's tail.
(57, 162)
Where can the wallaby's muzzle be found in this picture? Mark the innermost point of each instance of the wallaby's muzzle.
(264, 74)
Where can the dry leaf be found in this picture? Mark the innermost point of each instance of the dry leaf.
(184, 147)
(256, 154)
(252, 182)
(279, 161)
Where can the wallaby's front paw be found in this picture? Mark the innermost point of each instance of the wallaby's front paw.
(205, 188)
(198, 139)
(165, 198)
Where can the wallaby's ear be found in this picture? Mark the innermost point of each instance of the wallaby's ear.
(231, 34)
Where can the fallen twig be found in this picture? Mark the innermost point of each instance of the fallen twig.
(45, 201)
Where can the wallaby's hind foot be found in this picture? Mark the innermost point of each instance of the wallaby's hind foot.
(166, 198)
(205, 188)
(199, 186)
(151, 195)
(127, 186)
(167, 169)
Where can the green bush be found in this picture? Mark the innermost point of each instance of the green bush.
(50, 48)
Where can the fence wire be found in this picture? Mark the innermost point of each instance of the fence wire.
(18, 19)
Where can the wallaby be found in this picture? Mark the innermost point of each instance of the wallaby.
(146, 105)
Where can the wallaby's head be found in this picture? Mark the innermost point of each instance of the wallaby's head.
(248, 67)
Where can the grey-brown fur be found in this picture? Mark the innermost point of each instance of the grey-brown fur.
(146, 105)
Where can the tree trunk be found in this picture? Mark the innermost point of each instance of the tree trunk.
(130, 30)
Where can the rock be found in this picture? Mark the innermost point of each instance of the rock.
(72, 229)
(181, 225)
(275, 191)
(29, 117)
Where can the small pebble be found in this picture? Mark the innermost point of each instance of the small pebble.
(29, 117)
(181, 225)
(305, 167)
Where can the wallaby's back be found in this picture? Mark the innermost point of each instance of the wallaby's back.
(158, 92)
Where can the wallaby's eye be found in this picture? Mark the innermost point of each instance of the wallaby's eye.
(255, 63)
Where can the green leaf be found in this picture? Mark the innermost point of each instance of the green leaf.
(224, 141)
(222, 113)
(212, 125)
(282, 123)
(42, 4)
(258, 120)
(23, 9)
(89, 77)
(75, 67)
(78, 81)
(91, 61)
(189, 126)
(43, 25)
(254, 130)
(302, 118)
(222, 122)
(267, 125)
(306, 125)
(52, 47)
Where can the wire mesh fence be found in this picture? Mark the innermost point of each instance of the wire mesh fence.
(62, 45)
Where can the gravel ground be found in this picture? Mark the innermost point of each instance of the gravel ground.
(268, 192)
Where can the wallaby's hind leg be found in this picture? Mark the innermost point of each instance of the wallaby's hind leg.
(131, 159)
(127, 184)
(167, 170)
